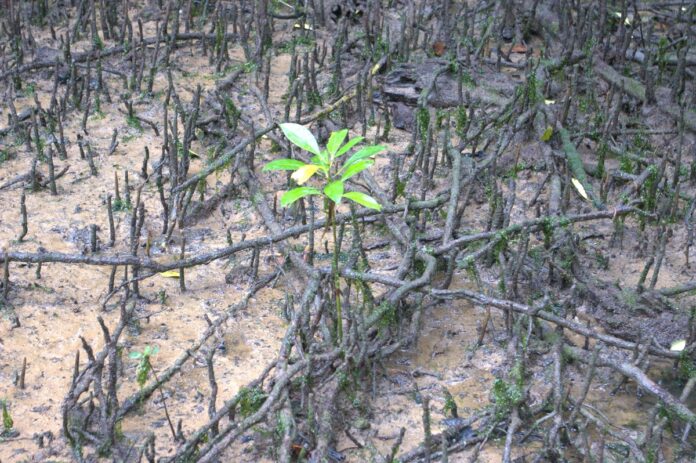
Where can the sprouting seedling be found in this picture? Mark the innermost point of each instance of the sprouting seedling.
(7, 422)
(326, 163)
(144, 366)
(333, 175)
(143, 372)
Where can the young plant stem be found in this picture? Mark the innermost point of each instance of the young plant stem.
(334, 271)
(164, 401)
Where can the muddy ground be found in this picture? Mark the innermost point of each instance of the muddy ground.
(49, 310)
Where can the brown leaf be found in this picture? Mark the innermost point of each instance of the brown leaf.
(519, 48)
(439, 48)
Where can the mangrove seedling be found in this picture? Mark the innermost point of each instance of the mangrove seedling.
(331, 174)
(7, 422)
(144, 364)
(143, 372)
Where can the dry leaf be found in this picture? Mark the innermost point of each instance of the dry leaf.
(307, 27)
(170, 274)
(678, 345)
(439, 48)
(578, 186)
(518, 48)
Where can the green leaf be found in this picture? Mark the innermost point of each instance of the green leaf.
(150, 351)
(321, 162)
(301, 136)
(135, 355)
(335, 141)
(351, 143)
(366, 200)
(548, 133)
(304, 173)
(356, 168)
(296, 193)
(334, 191)
(283, 164)
(366, 152)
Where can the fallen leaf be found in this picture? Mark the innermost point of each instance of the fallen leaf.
(578, 186)
(170, 274)
(518, 48)
(678, 345)
(439, 48)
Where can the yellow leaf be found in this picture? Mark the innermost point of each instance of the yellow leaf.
(578, 186)
(170, 274)
(678, 345)
(548, 133)
(307, 27)
(304, 173)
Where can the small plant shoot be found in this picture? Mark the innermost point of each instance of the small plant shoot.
(144, 365)
(333, 172)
